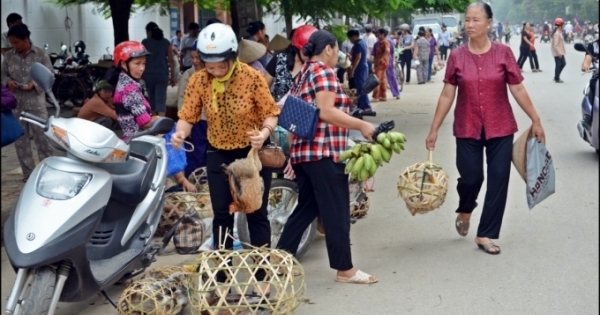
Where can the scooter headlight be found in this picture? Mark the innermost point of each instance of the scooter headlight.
(59, 185)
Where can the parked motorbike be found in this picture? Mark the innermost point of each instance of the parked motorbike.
(84, 221)
(81, 58)
(283, 200)
(545, 37)
(588, 127)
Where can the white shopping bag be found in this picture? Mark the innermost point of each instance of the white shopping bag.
(540, 173)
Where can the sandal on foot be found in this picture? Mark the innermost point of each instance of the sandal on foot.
(359, 278)
(487, 246)
(460, 225)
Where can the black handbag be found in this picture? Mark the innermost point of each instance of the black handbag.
(299, 118)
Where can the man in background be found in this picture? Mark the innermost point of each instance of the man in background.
(370, 39)
(186, 44)
(11, 20)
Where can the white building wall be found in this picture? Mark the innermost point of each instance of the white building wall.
(47, 25)
(275, 24)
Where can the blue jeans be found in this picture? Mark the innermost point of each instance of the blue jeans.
(429, 70)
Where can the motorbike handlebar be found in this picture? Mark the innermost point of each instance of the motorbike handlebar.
(34, 120)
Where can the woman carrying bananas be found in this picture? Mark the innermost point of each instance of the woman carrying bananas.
(322, 183)
(236, 100)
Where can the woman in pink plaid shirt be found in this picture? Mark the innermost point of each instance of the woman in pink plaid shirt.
(315, 163)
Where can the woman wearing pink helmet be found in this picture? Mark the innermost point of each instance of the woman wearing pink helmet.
(132, 107)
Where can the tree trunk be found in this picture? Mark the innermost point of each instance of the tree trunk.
(347, 22)
(287, 15)
(120, 10)
(235, 19)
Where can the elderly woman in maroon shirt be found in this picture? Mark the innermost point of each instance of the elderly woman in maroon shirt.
(483, 119)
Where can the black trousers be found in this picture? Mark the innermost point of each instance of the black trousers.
(323, 189)
(469, 161)
(444, 52)
(524, 53)
(340, 74)
(560, 63)
(220, 196)
(533, 60)
(405, 60)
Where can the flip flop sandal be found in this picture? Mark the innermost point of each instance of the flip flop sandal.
(487, 246)
(359, 278)
(460, 225)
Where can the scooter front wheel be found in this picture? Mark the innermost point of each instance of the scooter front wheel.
(37, 296)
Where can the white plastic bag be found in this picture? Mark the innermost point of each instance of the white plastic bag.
(540, 173)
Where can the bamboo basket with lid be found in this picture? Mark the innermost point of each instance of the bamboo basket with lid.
(423, 186)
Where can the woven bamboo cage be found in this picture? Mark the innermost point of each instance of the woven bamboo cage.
(240, 292)
(361, 209)
(199, 179)
(423, 186)
(150, 296)
(177, 203)
(351, 93)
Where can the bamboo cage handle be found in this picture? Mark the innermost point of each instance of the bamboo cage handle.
(430, 156)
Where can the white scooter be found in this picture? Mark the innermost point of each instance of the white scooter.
(85, 221)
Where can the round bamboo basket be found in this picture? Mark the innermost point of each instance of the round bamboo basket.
(182, 201)
(361, 209)
(150, 296)
(199, 179)
(241, 292)
(351, 93)
(423, 186)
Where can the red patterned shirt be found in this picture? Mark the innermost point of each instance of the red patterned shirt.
(482, 101)
(330, 141)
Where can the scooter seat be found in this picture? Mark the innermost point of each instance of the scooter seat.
(133, 178)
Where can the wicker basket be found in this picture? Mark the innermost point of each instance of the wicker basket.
(151, 296)
(181, 201)
(351, 93)
(199, 179)
(423, 186)
(284, 278)
(361, 209)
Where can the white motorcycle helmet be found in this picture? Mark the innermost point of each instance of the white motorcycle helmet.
(217, 42)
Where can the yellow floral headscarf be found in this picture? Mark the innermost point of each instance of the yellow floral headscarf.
(218, 85)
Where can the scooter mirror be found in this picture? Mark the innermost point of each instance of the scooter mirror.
(580, 47)
(44, 78)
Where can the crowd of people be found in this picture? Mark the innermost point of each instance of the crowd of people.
(230, 87)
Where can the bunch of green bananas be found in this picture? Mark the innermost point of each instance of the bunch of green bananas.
(364, 158)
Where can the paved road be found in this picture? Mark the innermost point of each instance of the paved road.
(549, 261)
